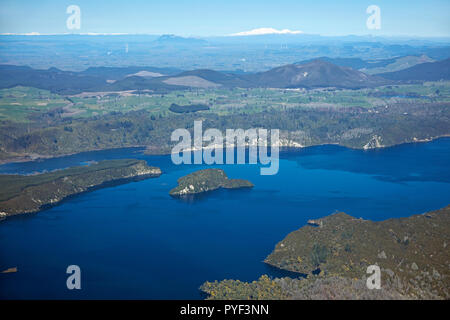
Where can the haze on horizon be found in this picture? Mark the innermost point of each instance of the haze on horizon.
(204, 18)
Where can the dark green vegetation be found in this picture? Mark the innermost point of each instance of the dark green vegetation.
(395, 121)
(207, 180)
(188, 108)
(236, 184)
(30, 193)
(411, 252)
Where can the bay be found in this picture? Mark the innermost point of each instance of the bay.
(134, 241)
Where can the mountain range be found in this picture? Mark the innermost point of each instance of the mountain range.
(376, 66)
(317, 73)
(432, 71)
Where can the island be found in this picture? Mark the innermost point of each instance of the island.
(332, 254)
(31, 193)
(207, 180)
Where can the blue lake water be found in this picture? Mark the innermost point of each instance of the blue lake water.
(134, 241)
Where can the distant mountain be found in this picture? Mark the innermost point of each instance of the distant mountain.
(376, 66)
(249, 53)
(317, 73)
(220, 78)
(53, 79)
(354, 63)
(395, 64)
(314, 74)
(173, 40)
(265, 31)
(116, 73)
(92, 79)
(433, 71)
(202, 78)
(142, 83)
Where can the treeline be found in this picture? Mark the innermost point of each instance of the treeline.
(188, 108)
(352, 127)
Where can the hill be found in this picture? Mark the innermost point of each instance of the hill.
(177, 41)
(219, 78)
(432, 71)
(376, 66)
(116, 73)
(315, 74)
(55, 80)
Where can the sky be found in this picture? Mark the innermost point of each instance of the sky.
(218, 18)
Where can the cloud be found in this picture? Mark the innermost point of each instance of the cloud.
(262, 31)
(60, 34)
(21, 34)
(102, 34)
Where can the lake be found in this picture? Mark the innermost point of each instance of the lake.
(134, 241)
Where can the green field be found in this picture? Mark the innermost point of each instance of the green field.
(23, 104)
(18, 103)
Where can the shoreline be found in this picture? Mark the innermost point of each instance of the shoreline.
(30, 158)
(320, 255)
(104, 185)
(39, 157)
(36, 193)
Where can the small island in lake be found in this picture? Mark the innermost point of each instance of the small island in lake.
(32, 193)
(207, 180)
(333, 254)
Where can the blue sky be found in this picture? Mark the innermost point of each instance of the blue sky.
(213, 18)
